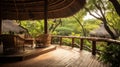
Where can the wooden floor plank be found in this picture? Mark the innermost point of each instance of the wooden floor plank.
(61, 57)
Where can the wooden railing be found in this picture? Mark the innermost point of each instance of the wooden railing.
(93, 39)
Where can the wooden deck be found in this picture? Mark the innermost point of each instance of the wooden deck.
(61, 57)
(24, 55)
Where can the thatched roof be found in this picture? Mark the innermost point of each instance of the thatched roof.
(34, 9)
(101, 32)
(11, 25)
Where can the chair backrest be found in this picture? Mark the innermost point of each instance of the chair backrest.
(7, 40)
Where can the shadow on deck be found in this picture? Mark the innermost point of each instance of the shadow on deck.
(63, 56)
(27, 54)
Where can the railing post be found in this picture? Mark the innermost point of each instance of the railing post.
(52, 39)
(93, 47)
(60, 41)
(81, 44)
(72, 42)
(108, 43)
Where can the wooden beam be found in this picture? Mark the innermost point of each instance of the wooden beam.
(45, 17)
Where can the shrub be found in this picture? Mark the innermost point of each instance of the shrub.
(111, 54)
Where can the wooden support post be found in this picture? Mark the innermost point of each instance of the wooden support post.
(0, 27)
(0, 30)
(93, 47)
(72, 42)
(45, 16)
(60, 41)
(81, 44)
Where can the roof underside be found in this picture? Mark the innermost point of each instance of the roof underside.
(34, 9)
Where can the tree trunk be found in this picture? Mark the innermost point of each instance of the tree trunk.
(116, 6)
(108, 29)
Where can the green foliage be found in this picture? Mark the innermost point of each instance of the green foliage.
(64, 31)
(87, 45)
(101, 45)
(114, 21)
(113, 18)
(55, 33)
(68, 26)
(66, 41)
(74, 34)
(91, 24)
(34, 27)
(111, 54)
(80, 15)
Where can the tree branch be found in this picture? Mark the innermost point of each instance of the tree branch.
(96, 11)
(92, 14)
(84, 33)
(53, 29)
(103, 6)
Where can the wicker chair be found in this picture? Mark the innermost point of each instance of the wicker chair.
(43, 40)
(12, 43)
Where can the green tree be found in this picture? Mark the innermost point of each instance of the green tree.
(99, 9)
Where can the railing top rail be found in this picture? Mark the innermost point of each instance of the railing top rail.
(92, 38)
